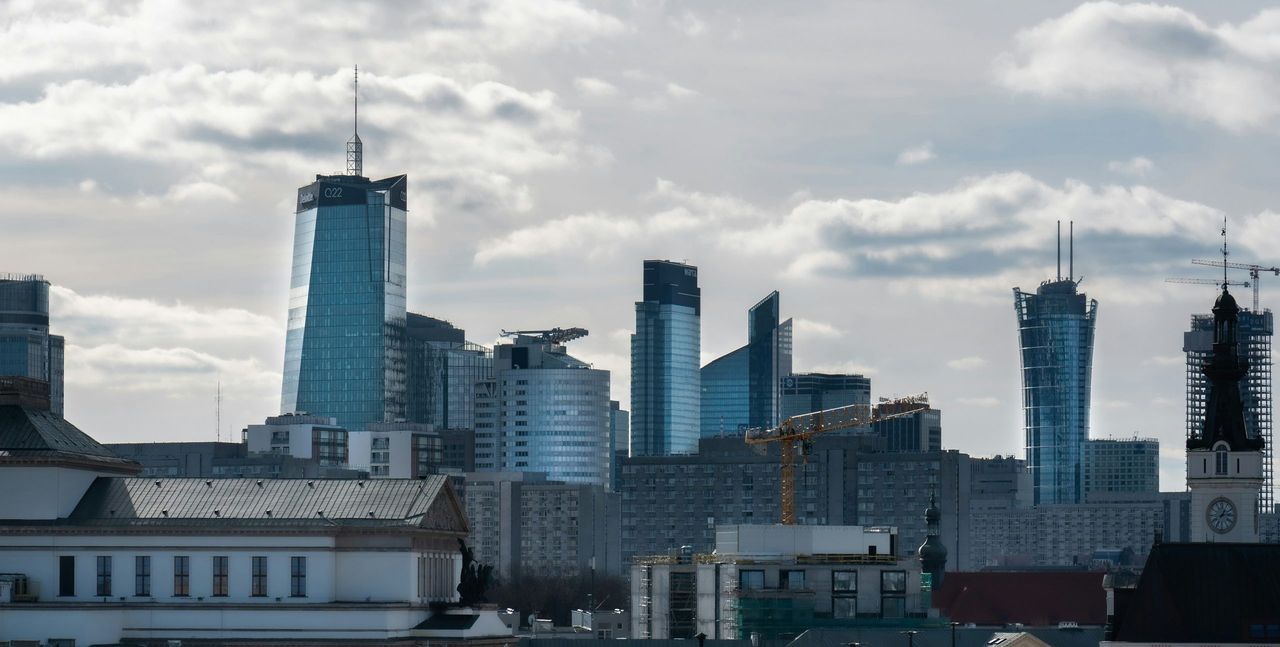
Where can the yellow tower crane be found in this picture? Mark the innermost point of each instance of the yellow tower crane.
(798, 430)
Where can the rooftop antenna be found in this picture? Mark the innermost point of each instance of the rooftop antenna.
(355, 148)
(217, 403)
(1059, 251)
(1224, 253)
(1071, 251)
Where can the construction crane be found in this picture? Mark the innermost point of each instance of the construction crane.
(798, 430)
(554, 335)
(1255, 272)
(1216, 282)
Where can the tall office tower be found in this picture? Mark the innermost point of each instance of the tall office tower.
(1255, 330)
(544, 411)
(768, 359)
(1121, 467)
(726, 395)
(808, 392)
(26, 347)
(443, 369)
(665, 354)
(1055, 334)
(344, 354)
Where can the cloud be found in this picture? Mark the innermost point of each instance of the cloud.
(1137, 166)
(689, 24)
(917, 155)
(595, 88)
(982, 402)
(967, 363)
(1158, 57)
(679, 91)
(175, 372)
(98, 319)
(808, 328)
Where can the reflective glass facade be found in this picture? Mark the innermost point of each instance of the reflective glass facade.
(26, 347)
(726, 395)
(808, 392)
(1055, 333)
(443, 370)
(665, 355)
(768, 359)
(345, 346)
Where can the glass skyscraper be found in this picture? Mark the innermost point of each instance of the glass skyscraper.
(345, 342)
(1055, 334)
(26, 347)
(443, 370)
(726, 395)
(808, 392)
(665, 355)
(768, 360)
(1254, 332)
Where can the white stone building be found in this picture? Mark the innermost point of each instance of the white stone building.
(398, 450)
(302, 436)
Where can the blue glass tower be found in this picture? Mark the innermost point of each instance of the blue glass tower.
(345, 343)
(26, 347)
(768, 360)
(726, 395)
(1055, 333)
(665, 354)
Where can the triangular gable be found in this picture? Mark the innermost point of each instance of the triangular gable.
(445, 512)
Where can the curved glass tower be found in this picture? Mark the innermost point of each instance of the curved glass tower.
(665, 355)
(344, 346)
(1055, 334)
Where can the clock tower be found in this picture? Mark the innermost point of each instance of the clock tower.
(1224, 463)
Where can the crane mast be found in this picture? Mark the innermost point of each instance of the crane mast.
(793, 436)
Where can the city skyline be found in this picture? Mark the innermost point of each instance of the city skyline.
(501, 145)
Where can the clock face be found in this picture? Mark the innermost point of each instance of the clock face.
(1221, 515)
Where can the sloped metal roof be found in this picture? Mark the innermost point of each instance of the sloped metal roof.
(257, 502)
(25, 428)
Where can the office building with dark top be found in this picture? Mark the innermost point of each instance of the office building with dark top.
(26, 347)
(665, 355)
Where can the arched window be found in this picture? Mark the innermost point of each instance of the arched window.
(1221, 462)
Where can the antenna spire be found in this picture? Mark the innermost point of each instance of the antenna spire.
(1224, 253)
(355, 148)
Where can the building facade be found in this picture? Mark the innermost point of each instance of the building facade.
(345, 342)
(223, 460)
(398, 450)
(665, 354)
(769, 347)
(301, 436)
(725, 404)
(549, 413)
(1254, 330)
(920, 431)
(808, 392)
(1055, 335)
(442, 371)
(1121, 466)
(26, 347)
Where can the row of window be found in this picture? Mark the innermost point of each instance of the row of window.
(181, 576)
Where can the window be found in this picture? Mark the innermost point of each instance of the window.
(893, 592)
(181, 576)
(67, 576)
(298, 577)
(104, 576)
(844, 594)
(1221, 462)
(219, 577)
(142, 576)
(749, 580)
(792, 580)
(259, 583)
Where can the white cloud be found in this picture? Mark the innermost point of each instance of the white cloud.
(1136, 166)
(100, 319)
(858, 368)
(917, 155)
(982, 402)
(595, 88)
(174, 372)
(1157, 56)
(967, 363)
(679, 91)
(689, 23)
(808, 328)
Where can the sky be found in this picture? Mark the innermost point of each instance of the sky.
(893, 168)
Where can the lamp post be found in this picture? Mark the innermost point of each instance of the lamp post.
(953, 633)
(911, 638)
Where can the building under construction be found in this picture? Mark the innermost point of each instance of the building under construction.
(1255, 331)
(777, 582)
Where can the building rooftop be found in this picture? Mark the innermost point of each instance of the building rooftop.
(29, 431)
(1032, 598)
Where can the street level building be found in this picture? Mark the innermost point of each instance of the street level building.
(1055, 335)
(545, 411)
(524, 524)
(26, 347)
(95, 555)
(777, 581)
(300, 435)
(665, 353)
(1115, 466)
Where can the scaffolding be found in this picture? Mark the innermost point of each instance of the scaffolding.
(1255, 332)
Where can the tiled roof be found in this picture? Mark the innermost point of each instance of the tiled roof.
(29, 432)
(1032, 598)
(1204, 593)
(258, 502)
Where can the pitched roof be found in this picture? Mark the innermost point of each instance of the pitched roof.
(418, 503)
(1032, 598)
(34, 433)
(1204, 593)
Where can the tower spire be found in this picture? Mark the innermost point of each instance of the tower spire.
(355, 148)
(1224, 253)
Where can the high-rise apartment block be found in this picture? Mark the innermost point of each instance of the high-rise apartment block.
(344, 346)
(1121, 466)
(26, 347)
(665, 354)
(1254, 333)
(808, 392)
(1055, 334)
(544, 411)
